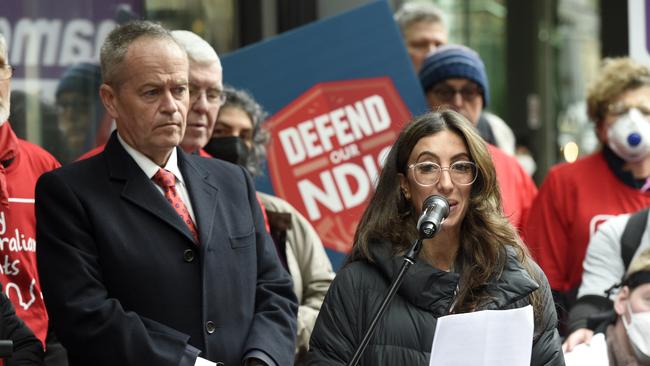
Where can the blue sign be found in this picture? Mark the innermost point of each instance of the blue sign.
(363, 44)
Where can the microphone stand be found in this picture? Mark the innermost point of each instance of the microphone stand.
(409, 260)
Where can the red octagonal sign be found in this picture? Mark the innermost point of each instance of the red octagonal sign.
(327, 148)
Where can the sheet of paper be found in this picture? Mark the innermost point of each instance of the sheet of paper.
(484, 338)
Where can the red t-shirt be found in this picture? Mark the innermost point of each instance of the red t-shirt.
(517, 188)
(18, 270)
(573, 200)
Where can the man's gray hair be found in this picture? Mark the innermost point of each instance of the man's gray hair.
(117, 44)
(3, 48)
(414, 12)
(198, 50)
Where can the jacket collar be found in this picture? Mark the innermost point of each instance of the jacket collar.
(434, 290)
(140, 191)
(424, 286)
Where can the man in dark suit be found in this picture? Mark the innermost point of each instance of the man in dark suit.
(125, 279)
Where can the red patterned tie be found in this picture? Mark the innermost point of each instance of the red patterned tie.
(167, 181)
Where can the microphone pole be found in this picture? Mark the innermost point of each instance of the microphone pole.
(409, 260)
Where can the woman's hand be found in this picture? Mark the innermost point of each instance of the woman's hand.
(582, 335)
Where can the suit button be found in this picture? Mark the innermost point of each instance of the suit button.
(221, 364)
(188, 255)
(209, 327)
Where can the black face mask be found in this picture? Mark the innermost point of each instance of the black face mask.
(228, 148)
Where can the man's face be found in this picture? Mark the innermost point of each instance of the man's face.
(150, 105)
(74, 115)
(206, 93)
(422, 38)
(5, 89)
(463, 95)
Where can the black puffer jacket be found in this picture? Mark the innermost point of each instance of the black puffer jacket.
(405, 333)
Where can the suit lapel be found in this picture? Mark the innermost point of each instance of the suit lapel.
(202, 192)
(138, 188)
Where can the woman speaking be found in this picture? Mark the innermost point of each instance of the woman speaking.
(476, 261)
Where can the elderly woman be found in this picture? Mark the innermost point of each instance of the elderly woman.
(239, 137)
(577, 197)
(475, 262)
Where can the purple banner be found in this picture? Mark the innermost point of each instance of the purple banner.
(45, 37)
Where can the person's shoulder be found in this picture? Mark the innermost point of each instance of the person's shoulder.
(615, 225)
(570, 169)
(508, 166)
(210, 163)
(38, 154)
(275, 203)
(516, 266)
(362, 275)
(501, 158)
(221, 172)
(81, 170)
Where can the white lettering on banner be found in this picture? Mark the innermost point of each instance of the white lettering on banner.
(309, 138)
(75, 41)
(310, 193)
(344, 154)
(9, 267)
(355, 173)
(18, 243)
(54, 42)
(378, 112)
(347, 124)
(3, 223)
(21, 301)
(336, 192)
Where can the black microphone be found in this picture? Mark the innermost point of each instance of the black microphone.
(435, 210)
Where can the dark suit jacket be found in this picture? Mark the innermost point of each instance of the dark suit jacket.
(125, 284)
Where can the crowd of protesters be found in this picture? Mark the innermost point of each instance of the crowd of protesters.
(154, 247)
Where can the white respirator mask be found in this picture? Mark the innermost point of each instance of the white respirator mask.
(629, 136)
(638, 330)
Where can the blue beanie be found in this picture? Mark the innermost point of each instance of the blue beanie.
(454, 61)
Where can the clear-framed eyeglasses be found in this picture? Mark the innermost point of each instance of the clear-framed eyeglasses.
(212, 95)
(6, 71)
(428, 173)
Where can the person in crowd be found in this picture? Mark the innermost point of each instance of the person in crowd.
(604, 266)
(455, 76)
(475, 262)
(151, 255)
(624, 339)
(83, 122)
(21, 164)
(575, 198)
(424, 29)
(206, 91)
(239, 137)
(18, 345)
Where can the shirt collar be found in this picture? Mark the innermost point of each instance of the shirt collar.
(147, 165)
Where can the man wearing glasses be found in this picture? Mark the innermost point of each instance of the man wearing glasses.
(454, 76)
(206, 91)
(21, 163)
